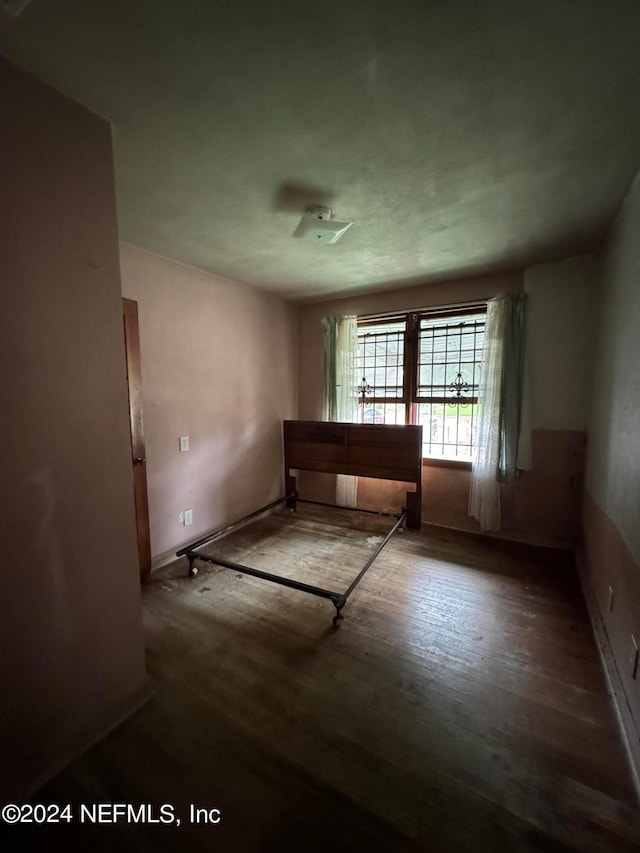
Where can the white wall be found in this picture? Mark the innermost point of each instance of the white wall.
(613, 476)
(71, 648)
(219, 364)
(611, 510)
(559, 354)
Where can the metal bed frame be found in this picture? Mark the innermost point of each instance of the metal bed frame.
(364, 450)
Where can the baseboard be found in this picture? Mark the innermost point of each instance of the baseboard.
(20, 785)
(164, 559)
(630, 735)
(473, 528)
(504, 535)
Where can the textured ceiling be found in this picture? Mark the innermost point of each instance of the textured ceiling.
(459, 136)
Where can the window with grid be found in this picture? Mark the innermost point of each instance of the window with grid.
(424, 368)
(381, 372)
(449, 353)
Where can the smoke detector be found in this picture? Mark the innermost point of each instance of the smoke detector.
(318, 226)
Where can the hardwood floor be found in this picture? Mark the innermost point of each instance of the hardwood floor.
(460, 707)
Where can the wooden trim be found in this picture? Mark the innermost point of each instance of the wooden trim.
(132, 338)
(387, 320)
(164, 559)
(630, 734)
(446, 313)
(453, 308)
(445, 401)
(410, 368)
(136, 424)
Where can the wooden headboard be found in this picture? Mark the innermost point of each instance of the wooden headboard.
(364, 450)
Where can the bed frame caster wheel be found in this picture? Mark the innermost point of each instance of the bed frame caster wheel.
(193, 570)
(401, 530)
(337, 620)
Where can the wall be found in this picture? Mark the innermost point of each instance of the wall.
(561, 300)
(72, 659)
(219, 364)
(543, 505)
(561, 320)
(611, 551)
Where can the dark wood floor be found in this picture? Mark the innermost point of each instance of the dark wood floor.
(460, 707)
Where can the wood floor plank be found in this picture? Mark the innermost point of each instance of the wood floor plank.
(460, 707)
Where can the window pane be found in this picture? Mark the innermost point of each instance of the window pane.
(449, 356)
(448, 431)
(381, 413)
(381, 359)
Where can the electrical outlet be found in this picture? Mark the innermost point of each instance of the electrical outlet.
(188, 517)
(633, 657)
(184, 443)
(610, 599)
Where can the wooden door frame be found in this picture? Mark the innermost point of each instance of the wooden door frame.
(136, 424)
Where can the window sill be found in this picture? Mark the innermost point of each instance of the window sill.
(460, 464)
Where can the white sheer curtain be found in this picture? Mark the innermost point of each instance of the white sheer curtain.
(346, 365)
(347, 403)
(484, 497)
(339, 397)
(499, 408)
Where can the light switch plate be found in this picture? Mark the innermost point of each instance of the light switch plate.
(184, 443)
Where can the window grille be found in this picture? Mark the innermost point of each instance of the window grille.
(449, 360)
(424, 368)
(380, 385)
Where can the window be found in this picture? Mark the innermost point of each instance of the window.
(424, 368)
(381, 372)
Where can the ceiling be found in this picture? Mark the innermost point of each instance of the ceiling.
(460, 136)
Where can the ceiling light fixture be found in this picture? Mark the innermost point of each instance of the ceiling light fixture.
(317, 225)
